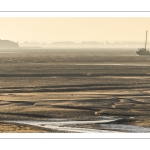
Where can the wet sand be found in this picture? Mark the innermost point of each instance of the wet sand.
(47, 85)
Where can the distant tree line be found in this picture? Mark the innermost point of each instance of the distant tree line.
(8, 44)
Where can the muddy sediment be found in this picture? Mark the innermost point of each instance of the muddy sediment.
(78, 86)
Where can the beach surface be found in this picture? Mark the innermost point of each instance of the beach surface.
(109, 87)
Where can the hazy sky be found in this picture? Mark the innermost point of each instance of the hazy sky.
(74, 29)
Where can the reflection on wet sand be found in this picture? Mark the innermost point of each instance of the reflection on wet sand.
(96, 126)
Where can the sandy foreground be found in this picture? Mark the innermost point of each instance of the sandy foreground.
(73, 86)
(19, 128)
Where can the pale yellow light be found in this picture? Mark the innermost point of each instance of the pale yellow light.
(74, 29)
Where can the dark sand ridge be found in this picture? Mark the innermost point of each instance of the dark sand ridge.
(41, 86)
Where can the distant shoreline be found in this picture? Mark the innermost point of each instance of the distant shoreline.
(101, 48)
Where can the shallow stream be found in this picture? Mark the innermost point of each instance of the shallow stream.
(103, 125)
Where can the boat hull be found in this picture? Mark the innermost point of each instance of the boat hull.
(140, 53)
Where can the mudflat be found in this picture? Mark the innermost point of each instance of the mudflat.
(74, 85)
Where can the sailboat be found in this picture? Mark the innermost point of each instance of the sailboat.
(143, 51)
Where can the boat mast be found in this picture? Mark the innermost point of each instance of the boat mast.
(146, 40)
